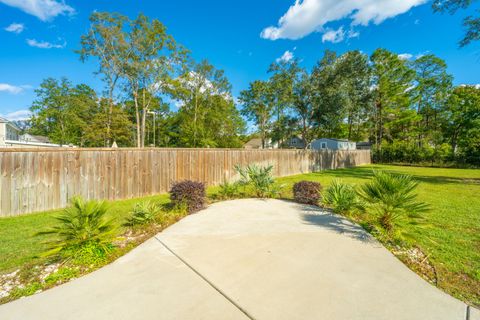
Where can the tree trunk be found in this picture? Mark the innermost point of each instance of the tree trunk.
(304, 133)
(144, 118)
(108, 141)
(262, 133)
(379, 131)
(195, 120)
(137, 118)
(350, 125)
(420, 136)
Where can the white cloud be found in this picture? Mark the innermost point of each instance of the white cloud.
(44, 10)
(307, 16)
(45, 44)
(353, 34)
(409, 56)
(286, 56)
(5, 87)
(405, 56)
(334, 36)
(18, 115)
(422, 54)
(476, 86)
(15, 28)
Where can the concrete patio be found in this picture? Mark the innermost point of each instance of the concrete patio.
(250, 259)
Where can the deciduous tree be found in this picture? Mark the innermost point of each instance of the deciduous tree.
(61, 111)
(257, 102)
(106, 42)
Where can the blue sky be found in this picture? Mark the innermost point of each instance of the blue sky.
(38, 37)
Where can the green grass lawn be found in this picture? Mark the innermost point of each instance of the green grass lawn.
(451, 237)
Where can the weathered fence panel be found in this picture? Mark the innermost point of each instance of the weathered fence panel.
(42, 179)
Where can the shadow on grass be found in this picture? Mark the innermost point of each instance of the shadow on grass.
(367, 173)
(447, 180)
(357, 173)
(321, 218)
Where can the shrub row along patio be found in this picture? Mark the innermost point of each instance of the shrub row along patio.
(442, 246)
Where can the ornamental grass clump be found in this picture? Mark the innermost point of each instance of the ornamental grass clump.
(307, 192)
(192, 194)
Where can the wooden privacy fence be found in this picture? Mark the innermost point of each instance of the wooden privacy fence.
(40, 179)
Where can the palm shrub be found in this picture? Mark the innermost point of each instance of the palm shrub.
(342, 197)
(394, 197)
(82, 227)
(260, 179)
(307, 192)
(189, 193)
(143, 213)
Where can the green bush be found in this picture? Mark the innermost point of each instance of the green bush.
(411, 152)
(62, 275)
(307, 192)
(259, 179)
(190, 193)
(393, 197)
(89, 254)
(342, 198)
(84, 223)
(28, 290)
(175, 213)
(143, 213)
(229, 190)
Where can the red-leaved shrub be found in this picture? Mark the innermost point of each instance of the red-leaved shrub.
(189, 193)
(307, 192)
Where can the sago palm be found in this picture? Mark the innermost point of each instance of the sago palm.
(84, 222)
(394, 197)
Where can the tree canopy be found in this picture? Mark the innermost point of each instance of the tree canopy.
(156, 94)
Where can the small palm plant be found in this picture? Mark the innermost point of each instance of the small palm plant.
(84, 223)
(394, 197)
(143, 213)
(342, 198)
(260, 179)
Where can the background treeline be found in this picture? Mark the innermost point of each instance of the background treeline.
(145, 72)
(156, 94)
(406, 107)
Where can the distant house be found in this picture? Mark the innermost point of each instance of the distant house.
(8, 132)
(332, 144)
(295, 142)
(364, 145)
(34, 138)
(256, 143)
(10, 137)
